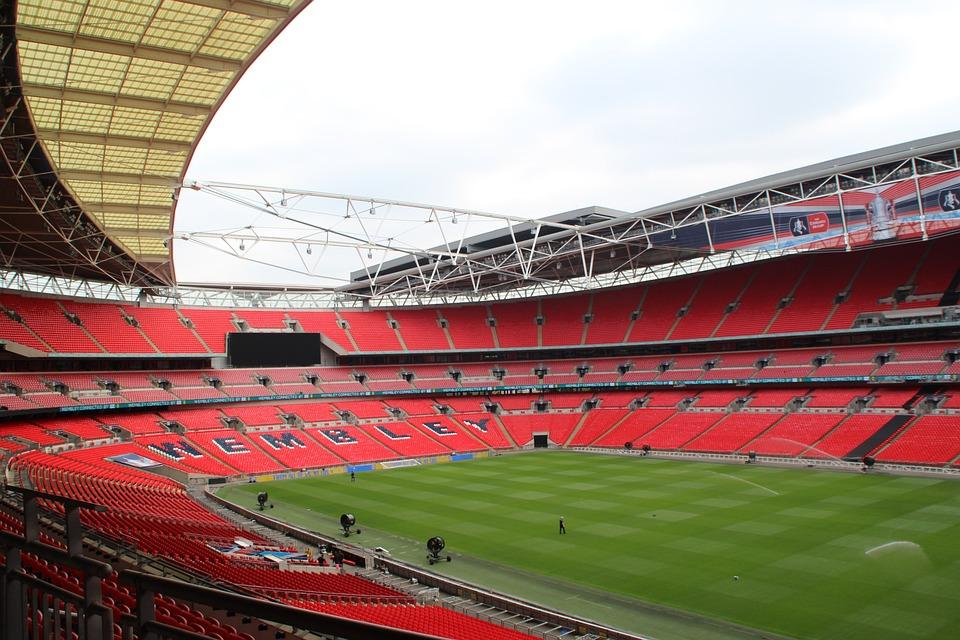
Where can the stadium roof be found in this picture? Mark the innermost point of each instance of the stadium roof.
(111, 98)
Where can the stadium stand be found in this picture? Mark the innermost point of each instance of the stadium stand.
(352, 444)
(165, 330)
(485, 427)
(212, 325)
(421, 330)
(327, 324)
(709, 304)
(658, 310)
(234, 449)
(311, 412)
(853, 431)
(633, 427)
(558, 427)
(563, 319)
(405, 439)
(516, 324)
(468, 327)
(834, 398)
(448, 433)
(679, 429)
(733, 432)
(371, 331)
(900, 405)
(107, 325)
(294, 449)
(177, 452)
(47, 320)
(928, 439)
(794, 433)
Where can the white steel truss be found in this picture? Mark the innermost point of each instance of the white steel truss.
(580, 250)
(460, 256)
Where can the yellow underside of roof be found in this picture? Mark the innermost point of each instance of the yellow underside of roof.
(119, 91)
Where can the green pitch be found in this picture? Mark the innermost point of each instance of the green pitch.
(818, 554)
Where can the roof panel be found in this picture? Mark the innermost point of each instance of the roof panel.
(43, 64)
(152, 79)
(140, 123)
(121, 21)
(56, 15)
(83, 116)
(235, 35)
(180, 26)
(112, 86)
(201, 86)
(177, 126)
(95, 71)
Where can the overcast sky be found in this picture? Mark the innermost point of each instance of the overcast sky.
(533, 108)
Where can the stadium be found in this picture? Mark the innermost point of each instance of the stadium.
(735, 415)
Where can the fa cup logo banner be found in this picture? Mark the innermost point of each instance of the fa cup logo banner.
(949, 200)
(882, 218)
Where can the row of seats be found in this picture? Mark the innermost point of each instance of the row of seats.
(156, 516)
(657, 420)
(821, 292)
(38, 390)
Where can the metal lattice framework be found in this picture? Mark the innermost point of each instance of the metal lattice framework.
(519, 257)
(515, 257)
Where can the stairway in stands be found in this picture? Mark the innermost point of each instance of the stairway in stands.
(281, 539)
(880, 436)
(951, 295)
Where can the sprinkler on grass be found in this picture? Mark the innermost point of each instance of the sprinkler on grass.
(434, 546)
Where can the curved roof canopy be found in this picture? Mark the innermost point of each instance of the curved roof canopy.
(119, 93)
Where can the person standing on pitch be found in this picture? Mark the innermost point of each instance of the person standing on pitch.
(353, 477)
(563, 528)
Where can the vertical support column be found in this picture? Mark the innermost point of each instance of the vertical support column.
(94, 622)
(706, 225)
(146, 612)
(31, 517)
(14, 610)
(74, 529)
(916, 188)
(773, 223)
(843, 215)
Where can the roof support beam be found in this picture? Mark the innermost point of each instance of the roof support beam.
(113, 207)
(137, 231)
(252, 8)
(113, 47)
(113, 141)
(97, 97)
(121, 178)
